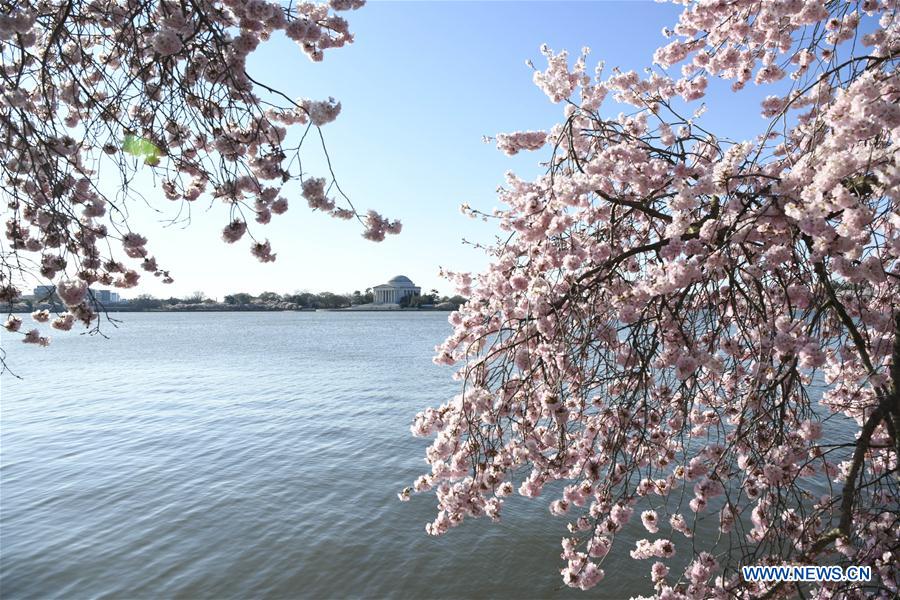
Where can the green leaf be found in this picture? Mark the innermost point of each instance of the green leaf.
(142, 147)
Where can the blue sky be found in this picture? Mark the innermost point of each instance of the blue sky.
(420, 87)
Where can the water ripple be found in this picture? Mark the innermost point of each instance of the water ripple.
(246, 455)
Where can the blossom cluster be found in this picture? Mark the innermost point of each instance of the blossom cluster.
(513, 143)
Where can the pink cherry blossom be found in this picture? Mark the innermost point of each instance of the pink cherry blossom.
(13, 323)
(650, 521)
(72, 293)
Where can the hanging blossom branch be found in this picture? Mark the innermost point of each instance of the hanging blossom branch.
(152, 86)
(676, 323)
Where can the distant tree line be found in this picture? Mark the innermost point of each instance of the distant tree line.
(264, 300)
(295, 301)
(301, 299)
(432, 298)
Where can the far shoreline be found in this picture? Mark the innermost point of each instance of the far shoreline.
(255, 309)
(106, 301)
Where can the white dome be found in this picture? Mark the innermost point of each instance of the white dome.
(401, 281)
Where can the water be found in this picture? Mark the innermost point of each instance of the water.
(236, 455)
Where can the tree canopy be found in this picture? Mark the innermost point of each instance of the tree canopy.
(680, 328)
(159, 88)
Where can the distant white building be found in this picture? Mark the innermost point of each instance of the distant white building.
(105, 296)
(395, 290)
(47, 293)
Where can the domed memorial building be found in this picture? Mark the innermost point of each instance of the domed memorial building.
(395, 290)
